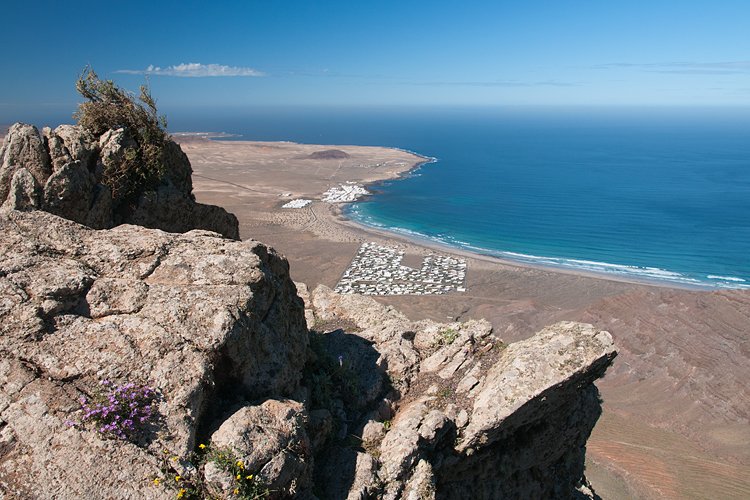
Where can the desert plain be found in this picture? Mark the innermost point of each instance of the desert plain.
(676, 420)
(676, 402)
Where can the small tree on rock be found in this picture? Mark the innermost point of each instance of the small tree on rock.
(108, 107)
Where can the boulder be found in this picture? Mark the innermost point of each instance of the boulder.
(23, 147)
(24, 193)
(69, 192)
(200, 319)
(68, 165)
(70, 143)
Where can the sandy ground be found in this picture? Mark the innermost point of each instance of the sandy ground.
(247, 177)
(634, 452)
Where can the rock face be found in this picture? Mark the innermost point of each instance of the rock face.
(67, 164)
(467, 417)
(200, 318)
(366, 405)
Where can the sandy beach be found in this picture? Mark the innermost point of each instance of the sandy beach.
(247, 178)
(640, 444)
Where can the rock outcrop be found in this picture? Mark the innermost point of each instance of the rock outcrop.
(60, 171)
(199, 318)
(467, 416)
(244, 400)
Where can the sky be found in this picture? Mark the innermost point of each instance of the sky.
(214, 55)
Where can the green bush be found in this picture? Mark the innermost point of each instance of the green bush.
(108, 107)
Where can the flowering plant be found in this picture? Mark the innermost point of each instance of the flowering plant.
(120, 412)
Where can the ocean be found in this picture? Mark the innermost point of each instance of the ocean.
(648, 194)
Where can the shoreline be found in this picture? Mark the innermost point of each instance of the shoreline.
(445, 248)
(426, 242)
(373, 179)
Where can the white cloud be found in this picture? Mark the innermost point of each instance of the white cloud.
(195, 70)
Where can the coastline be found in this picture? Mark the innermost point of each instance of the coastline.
(202, 151)
(479, 256)
(247, 178)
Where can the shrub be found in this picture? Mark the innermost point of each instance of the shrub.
(108, 107)
(445, 336)
(122, 412)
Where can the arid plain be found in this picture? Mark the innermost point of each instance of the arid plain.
(676, 421)
(676, 403)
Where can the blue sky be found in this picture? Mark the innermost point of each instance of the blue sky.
(351, 53)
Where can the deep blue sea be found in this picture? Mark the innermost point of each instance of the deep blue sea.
(650, 194)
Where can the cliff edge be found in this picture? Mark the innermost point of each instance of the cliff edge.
(143, 364)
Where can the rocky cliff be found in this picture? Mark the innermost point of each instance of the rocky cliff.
(197, 318)
(61, 170)
(141, 364)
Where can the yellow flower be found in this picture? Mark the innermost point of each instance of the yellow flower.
(202, 446)
(236, 492)
(242, 466)
(178, 478)
(165, 452)
(238, 476)
(249, 477)
(175, 458)
(156, 481)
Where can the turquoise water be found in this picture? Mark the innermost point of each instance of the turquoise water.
(647, 194)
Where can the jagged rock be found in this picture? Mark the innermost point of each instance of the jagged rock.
(476, 419)
(177, 169)
(258, 433)
(69, 164)
(70, 143)
(194, 315)
(23, 147)
(219, 482)
(421, 485)
(24, 193)
(99, 215)
(373, 431)
(69, 192)
(261, 436)
(285, 475)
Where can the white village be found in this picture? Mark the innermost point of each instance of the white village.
(377, 270)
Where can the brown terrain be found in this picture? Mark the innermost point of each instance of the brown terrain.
(676, 401)
(676, 405)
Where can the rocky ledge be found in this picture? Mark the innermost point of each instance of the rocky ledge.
(245, 397)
